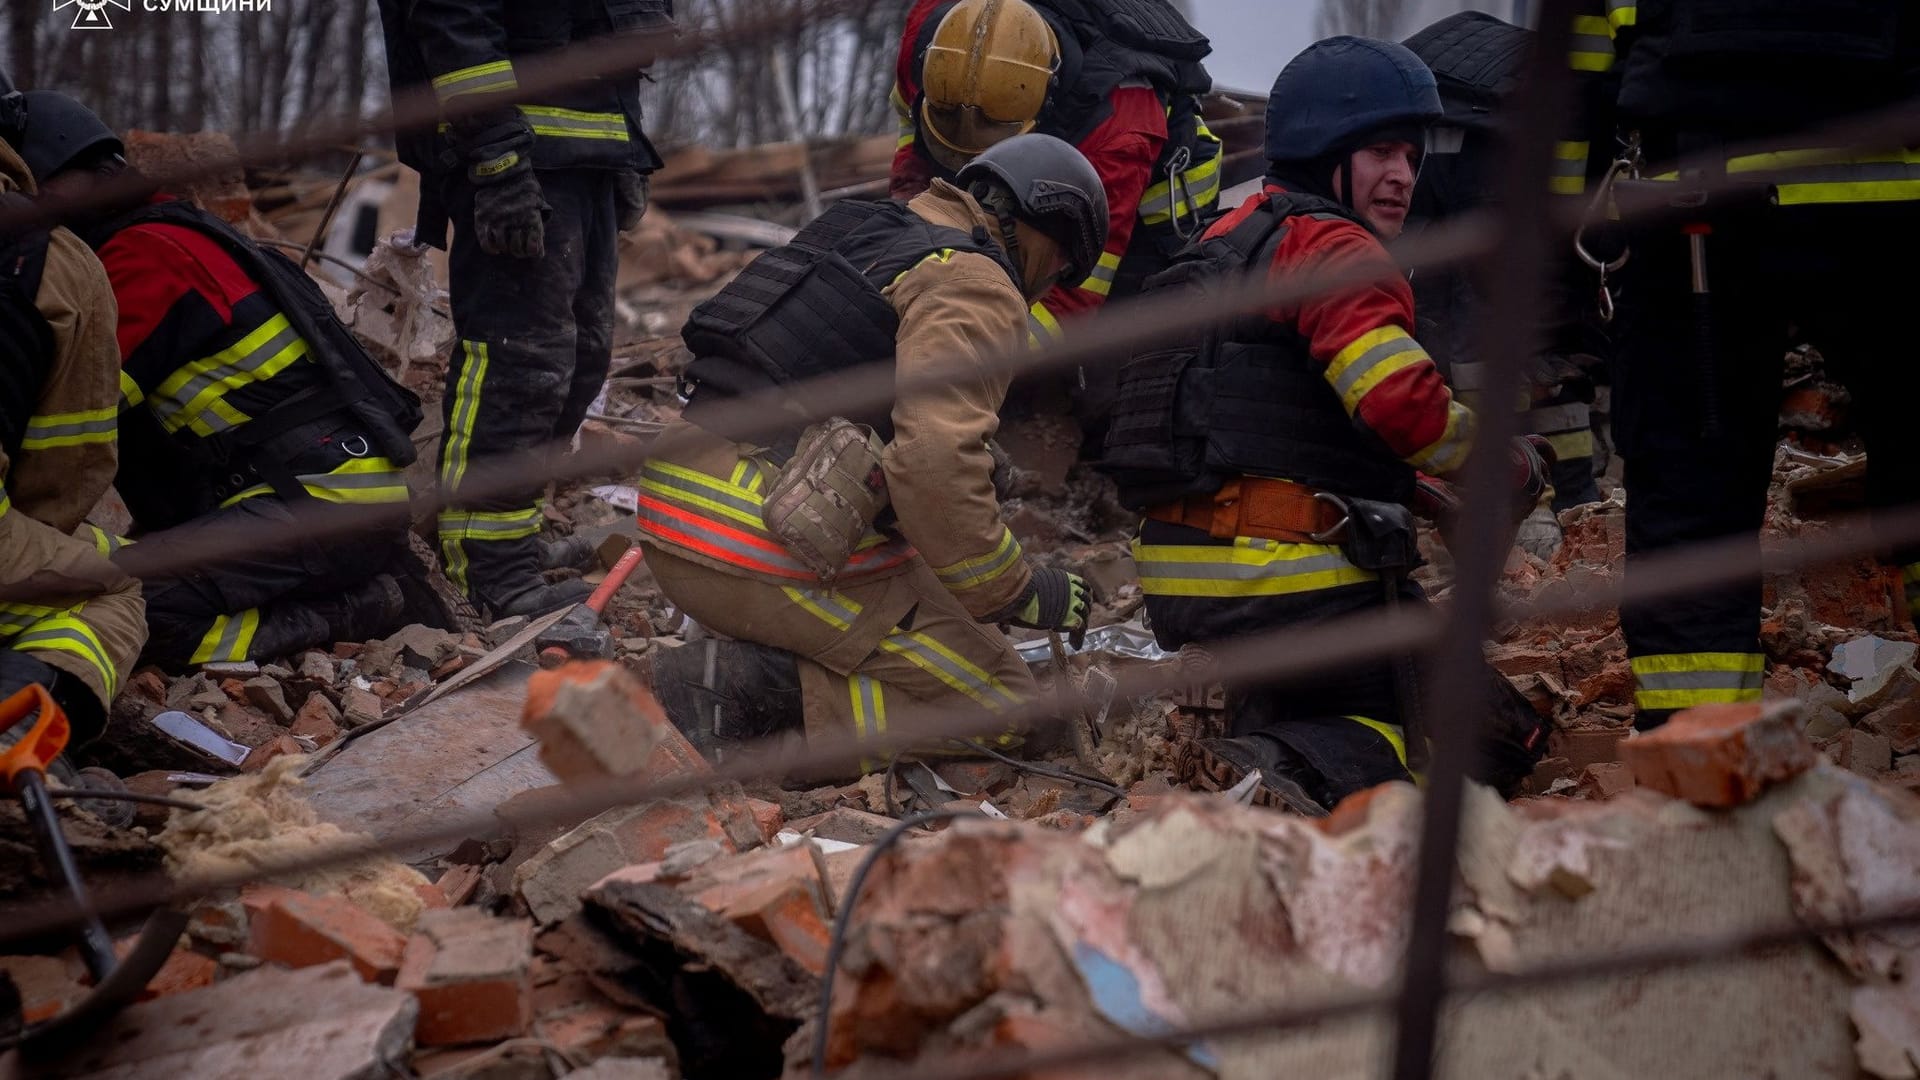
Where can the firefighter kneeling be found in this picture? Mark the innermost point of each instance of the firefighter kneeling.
(855, 564)
(1276, 463)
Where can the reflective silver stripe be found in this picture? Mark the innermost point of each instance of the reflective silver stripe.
(75, 640)
(1699, 680)
(1592, 45)
(906, 643)
(1570, 167)
(969, 573)
(1552, 419)
(40, 431)
(485, 78)
(716, 494)
(177, 400)
(1372, 358)
(573, 124)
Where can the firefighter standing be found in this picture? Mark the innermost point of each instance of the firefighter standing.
(244, 403)
(1806, 237)
(537, 192)
(69, 619)
(1476, 60)
(1276, 462)
(934, 284)
(1118, 80)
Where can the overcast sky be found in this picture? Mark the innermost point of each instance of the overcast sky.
(1253, 39)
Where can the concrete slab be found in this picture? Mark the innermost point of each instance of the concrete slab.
(462, 753)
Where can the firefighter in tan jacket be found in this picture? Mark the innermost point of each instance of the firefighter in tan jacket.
(69, 619)
(868, 548)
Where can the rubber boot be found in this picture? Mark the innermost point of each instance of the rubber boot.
(541, 598)
(567, 553)
(1285, 777)
(370, 611)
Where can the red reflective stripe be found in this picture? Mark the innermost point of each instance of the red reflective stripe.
(878, 559)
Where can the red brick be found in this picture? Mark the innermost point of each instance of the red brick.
(234, 689)
(431, 898)
(1721, 755)
(472, 974)
(277, 747)
(1586, 746)
(594, 720)
(149, 684)
(318, 718)
(593, 1030)
(768, 817)
(347, 650)
(1516, 660)
(1606, 780)
(48, 985)
(302, 930)
(775, 895)
(184, 970)
(458, 883)
(1148, 793)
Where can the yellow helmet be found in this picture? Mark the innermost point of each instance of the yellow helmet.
(984, 77)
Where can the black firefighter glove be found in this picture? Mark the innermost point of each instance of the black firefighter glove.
(509, 216)
(1053, 600)
(629, 199)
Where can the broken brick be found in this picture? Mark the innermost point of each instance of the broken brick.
(775, 895)
(265, 694)
(317, 719)
(1721, 755)
(552, 880)
(48, 985)
(593, 1030)
(594, 721)
(458, 883)
(361, 706)
(302, 930)
(847, 825)
(1584, 747)
(768, 816)
(1606, 780)
(1862, 752)
(149, 684)
(184, 970)
(472, 974)
(277, 747)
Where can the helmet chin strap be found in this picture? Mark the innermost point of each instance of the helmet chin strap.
(997, 199)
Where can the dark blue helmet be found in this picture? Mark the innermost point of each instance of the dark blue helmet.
(1345, 92)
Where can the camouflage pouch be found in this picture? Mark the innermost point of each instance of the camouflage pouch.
(827, 495)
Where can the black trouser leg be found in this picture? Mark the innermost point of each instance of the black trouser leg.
(256, 605)
(523, 372)
(1683, 486)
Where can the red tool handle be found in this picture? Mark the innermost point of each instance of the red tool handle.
(42, 743)
(616, 577)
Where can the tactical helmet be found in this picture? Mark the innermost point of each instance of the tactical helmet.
(984, 76)
(60, 132)
(1331, 98)
(1054, 189)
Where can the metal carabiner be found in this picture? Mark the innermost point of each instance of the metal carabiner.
(1628, 163)
(1178, 191)
(1332, 535)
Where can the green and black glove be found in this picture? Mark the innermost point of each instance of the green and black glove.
(1054, 600)
(629, 199)
(509, 214)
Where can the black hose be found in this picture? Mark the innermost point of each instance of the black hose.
(837, 943)
(1050, 771)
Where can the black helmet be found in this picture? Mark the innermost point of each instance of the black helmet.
(1054, 189)
(1332, 97)
(60, 132)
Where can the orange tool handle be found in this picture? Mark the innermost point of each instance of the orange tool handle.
(43, 742)
(616, 577)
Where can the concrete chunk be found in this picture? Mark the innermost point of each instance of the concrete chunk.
(320, 1023)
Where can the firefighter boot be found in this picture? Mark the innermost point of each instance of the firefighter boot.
(1219, 764)
(370, 611)
(723, 694)
(566, 553)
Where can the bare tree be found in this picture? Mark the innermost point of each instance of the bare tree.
(1363, 18)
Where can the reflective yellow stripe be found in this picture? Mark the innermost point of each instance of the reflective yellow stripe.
(1449, 451)
(466, 406)
(490, 78)
(1042, 327)
(1201, 181)
(574, 124)
(836, 609)
(1100, 282)
(869, 706)
(189, 393)
(1569, 176)
(1572, 444)
(16, 617)
(1248, 567)
(362, 481)
(68, 634)
(130, 392)
(1622, 13)
(228, 640)
(941, 256)
(1592, 45)
(950, 668)
(105, 542)
(489, 524)
(1388, 732)
(49, 430)
(1683, 680)
(982, 569)
(6, 502)
(679, 484)
(1370, 359)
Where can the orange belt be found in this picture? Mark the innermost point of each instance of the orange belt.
(1259, 507)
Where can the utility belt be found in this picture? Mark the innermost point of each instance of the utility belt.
(1374, 535)
(275, 454)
